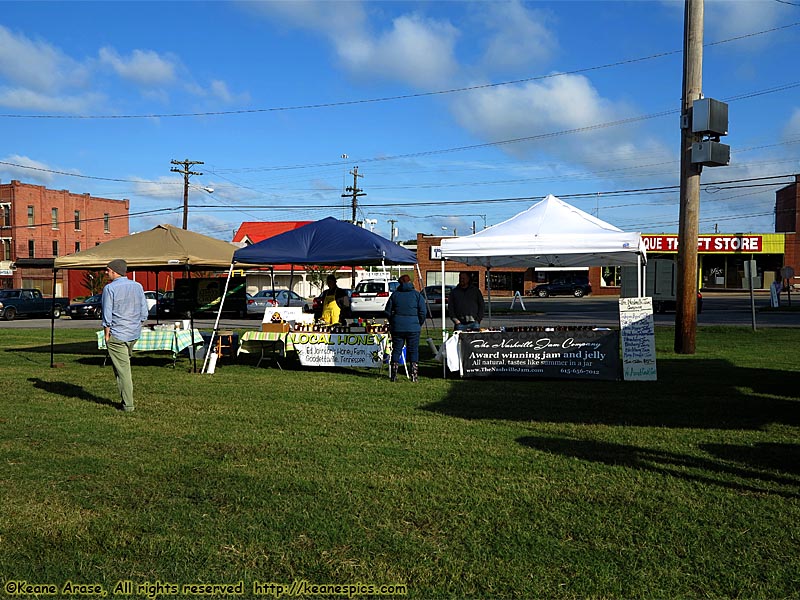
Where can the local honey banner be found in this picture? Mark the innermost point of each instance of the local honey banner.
(340, 349)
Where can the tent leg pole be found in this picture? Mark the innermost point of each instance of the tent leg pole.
(216, 322)
(444, 359)
(53, 322)
(489, 290)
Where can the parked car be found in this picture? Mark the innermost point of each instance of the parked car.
(166, 305)
(29, 302)
(90, 308)
(257, 305)
(152, 300)
(283, 297)
(577, 285)
(433, 297)
(371, 295)
(662, 306)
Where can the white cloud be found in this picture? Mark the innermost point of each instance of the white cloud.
(336, 18)
(562, 103)
(520, 37)
(415, 50)
(143, 67)
(26, 99)
(38, 171)
(44, 68)
(792, 129)
(728, 19)
(163, 187)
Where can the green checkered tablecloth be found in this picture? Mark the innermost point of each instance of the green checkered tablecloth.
(172, 340)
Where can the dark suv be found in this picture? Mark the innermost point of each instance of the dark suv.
(576, 285)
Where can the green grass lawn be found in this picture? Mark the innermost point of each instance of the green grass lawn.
(682, 488)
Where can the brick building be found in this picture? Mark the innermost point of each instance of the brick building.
(38, 224)
(721, 257)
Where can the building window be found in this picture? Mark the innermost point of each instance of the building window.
(77, 246)
(6, 249)
(610, 276)
(55, 247)
(106, 223)
(30, 216)
(77, 220)
(31, 249)
(54, 217)
(6, 216)
(506, 280)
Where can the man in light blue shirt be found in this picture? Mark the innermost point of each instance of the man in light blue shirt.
(124, 311)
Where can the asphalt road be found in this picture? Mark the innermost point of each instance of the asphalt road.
(602, 311)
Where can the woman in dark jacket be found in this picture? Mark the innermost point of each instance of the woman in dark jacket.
(407, 311)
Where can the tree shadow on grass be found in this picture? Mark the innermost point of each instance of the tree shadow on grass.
(691, 468)
(68, 348)
(69, 390)
(712, 394)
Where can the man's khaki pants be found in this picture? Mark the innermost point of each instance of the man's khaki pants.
(120, 354)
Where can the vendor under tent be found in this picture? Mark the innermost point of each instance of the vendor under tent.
(163, 248)
(551, 233)
(324, 242)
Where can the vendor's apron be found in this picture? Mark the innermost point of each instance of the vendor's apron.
(330, 309)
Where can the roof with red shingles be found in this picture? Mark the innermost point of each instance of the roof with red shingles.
(255, 231)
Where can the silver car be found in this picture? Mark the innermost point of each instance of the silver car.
(283, 297)
(257, 306)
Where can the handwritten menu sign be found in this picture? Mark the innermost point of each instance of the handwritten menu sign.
(638, 339)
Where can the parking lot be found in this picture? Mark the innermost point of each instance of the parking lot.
(719, 308)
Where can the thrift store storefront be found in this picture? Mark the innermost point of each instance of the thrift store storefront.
(720, 264)
(720, 258)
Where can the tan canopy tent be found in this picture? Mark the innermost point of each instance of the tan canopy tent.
(161, 248)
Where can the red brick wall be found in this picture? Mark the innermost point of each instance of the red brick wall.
(43, 232)
(787, 202)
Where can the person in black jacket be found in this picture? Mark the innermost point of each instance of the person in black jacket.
(407, 311)
(465, 305)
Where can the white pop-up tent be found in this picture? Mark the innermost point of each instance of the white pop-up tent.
(551, 233)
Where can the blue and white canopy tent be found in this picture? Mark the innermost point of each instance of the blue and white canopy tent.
(325, 242)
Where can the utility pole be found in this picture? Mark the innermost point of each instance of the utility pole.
(686, 300)
(187, 164)
(355, 192)
(391, 223)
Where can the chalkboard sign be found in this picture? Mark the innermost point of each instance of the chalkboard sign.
(638, 339)
(203, 294)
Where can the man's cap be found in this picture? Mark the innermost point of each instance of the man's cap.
(118, 265)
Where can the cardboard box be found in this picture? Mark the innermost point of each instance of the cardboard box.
(275, 327)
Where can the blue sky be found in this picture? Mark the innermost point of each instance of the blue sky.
(456, 113)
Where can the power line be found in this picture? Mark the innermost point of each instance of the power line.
(400, 96)
(610, 193)
(218, 173)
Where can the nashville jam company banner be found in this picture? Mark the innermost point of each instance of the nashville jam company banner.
(340, 349)
(565, 354)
